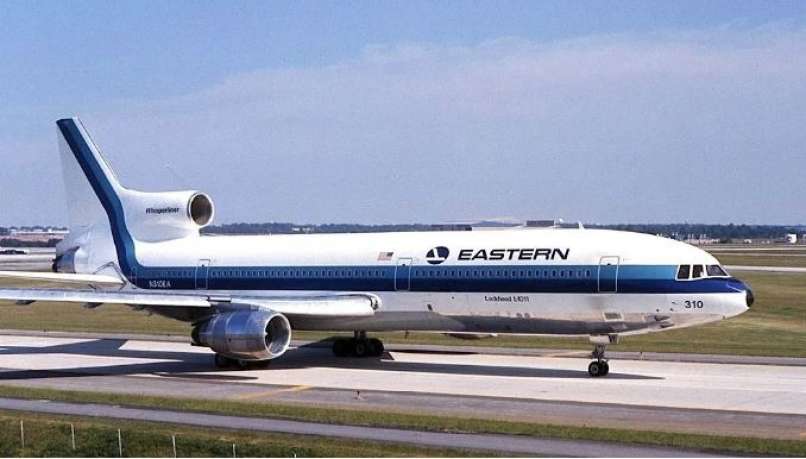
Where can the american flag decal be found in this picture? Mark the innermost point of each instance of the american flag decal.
(385, 256)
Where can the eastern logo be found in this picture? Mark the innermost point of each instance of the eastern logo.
(437, 255)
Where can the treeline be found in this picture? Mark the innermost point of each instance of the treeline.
(292, 228)
(678, 230)
(722, 232)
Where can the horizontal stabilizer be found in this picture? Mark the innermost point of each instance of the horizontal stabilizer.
(63, 278)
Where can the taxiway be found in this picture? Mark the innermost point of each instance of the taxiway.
(726, 398)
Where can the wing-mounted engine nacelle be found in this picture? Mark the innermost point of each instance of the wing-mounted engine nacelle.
(245, 335)
(167, 215)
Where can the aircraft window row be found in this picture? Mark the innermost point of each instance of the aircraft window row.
(688, 272)
(296, 273)
(171, 274)
(499, 273)
(377, 273)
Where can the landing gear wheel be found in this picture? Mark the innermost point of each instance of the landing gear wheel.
(595, 369)
(361, 348)
(376, 347)
(600, 366)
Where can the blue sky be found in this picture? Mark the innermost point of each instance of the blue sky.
(417, 111)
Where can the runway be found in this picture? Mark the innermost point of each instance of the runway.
(736, 399)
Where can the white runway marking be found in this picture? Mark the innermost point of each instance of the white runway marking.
(754, 388)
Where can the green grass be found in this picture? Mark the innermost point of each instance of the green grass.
(775, 325)
(49, 435)
(702, 442)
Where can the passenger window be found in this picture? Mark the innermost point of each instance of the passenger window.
(716, 271)
(696, 273)
(683, 272)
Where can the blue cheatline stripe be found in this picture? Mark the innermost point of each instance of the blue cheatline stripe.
(477, 278)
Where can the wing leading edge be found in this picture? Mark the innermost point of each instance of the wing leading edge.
(63, 278)
(335, 305)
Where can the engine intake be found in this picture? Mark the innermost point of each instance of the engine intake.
(245, 335)
(200, 209)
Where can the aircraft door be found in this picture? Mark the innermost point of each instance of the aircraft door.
(608, 274)
(202, 270)
(403, 274)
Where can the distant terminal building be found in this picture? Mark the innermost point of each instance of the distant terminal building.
(36, 234)
(700, 239)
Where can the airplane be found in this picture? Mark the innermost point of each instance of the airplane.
(244, 295)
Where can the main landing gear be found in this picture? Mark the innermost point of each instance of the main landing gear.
(358, 346)
(600, 366)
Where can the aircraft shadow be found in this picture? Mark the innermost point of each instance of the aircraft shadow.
(304, 358)
(191, 365)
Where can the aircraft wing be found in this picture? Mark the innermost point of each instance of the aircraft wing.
(63, 278)
(95, 297)
(334, 305)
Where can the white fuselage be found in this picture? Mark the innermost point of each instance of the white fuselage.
(542, 281)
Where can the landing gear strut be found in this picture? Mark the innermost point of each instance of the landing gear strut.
(358, 346)
(599, 367)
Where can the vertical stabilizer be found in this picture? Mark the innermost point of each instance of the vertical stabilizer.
(78, 152)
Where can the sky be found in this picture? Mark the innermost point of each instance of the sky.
(411, 111)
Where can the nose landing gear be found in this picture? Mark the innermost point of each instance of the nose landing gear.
(600, 366)
(358, 346)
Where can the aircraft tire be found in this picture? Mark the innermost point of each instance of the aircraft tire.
(376, 347)
(595, 369)
(605, 368)
(361, 348)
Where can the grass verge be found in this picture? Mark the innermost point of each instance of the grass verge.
(725, 444)
(47, 435)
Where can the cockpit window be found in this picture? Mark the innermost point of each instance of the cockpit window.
(689, 272)
(716, 271)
